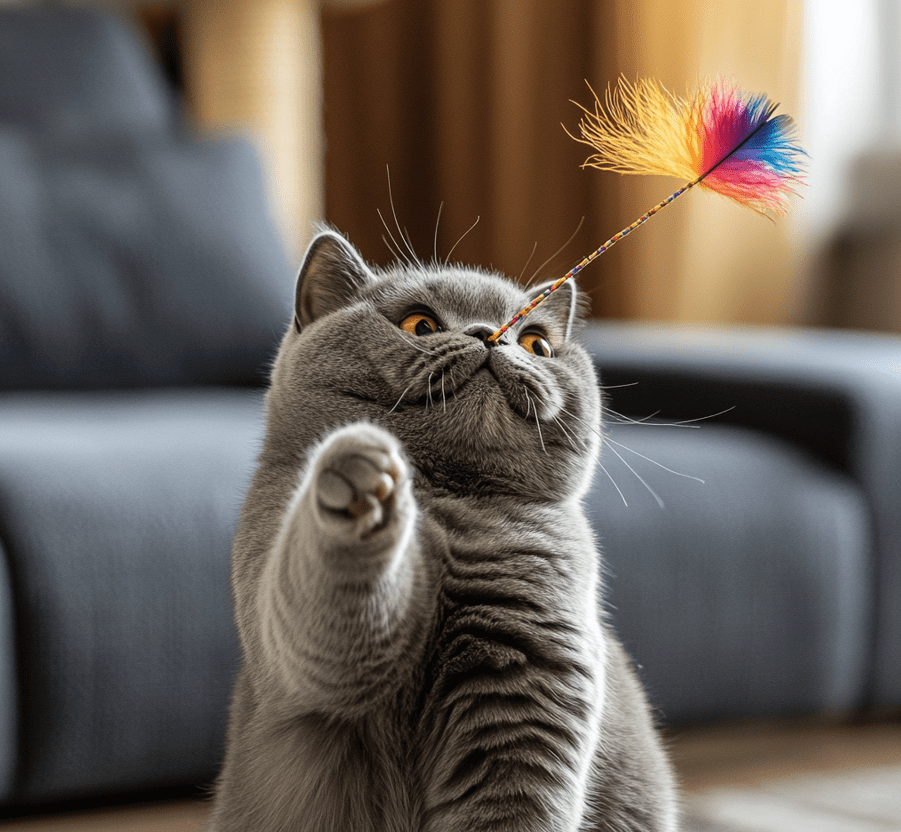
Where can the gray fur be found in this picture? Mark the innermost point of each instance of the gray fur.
(416, 584)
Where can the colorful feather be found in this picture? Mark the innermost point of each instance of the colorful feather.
(722, 140)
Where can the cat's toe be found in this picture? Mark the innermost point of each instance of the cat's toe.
(335, 492)
(359, 476)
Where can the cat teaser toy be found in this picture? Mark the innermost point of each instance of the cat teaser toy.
(722, 140)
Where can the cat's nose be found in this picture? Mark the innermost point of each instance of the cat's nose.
(480, 331)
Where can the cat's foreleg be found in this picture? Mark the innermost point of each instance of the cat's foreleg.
(339, 597)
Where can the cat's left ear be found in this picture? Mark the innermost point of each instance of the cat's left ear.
(566, 305)
(332, 274)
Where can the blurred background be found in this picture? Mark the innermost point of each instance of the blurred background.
(144, 289)
(463, 102)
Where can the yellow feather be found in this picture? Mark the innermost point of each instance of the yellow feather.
(642, 128)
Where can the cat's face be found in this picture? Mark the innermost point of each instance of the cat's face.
(405, 348)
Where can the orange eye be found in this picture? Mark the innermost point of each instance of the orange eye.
(536, 344)
(419, 324)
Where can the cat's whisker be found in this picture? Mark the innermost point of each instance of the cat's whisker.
(541, 267)
(437, 223)
(638, 476)
(618, 386)
(610, 442)
(429, 388)
(654, 461)
(581, 442)
(388, 245)
(646, 419)
(569, 436)
(688, 422)
(405, 236)
(397, 403)
(622, 419)
(395, 249)
(443, 397)
(618, 489)
(626, 421)
(537, 423)
(526, 264)
(415, 346)
(684, 423)
(400, 232)
(447, 259)
(584, 423)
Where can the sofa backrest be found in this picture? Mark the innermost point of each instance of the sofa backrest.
(132, 252)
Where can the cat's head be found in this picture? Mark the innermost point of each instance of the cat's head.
(406, 348)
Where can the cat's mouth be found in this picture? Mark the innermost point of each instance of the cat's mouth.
(444, 395)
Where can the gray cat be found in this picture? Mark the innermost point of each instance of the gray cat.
(416, 583)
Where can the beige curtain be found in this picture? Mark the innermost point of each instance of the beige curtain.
(254, 67)
(462, 100)
(714, 262)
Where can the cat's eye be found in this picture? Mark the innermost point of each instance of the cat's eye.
(536, 344)
(419, 323)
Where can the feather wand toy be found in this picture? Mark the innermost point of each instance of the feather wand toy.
(722, 140)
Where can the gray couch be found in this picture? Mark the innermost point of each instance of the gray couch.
(142, 293)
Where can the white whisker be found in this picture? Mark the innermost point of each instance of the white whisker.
(629, 419)
(638, 476)
(622, 419)
(415, 346)
(537, 423)
(437, 223)
(571, 238)
(569, 436)
(429, 388)
(683, 423)
(654, 462)
(388, 245)
(704, 418)
(526, 264)
(443, 397)
(447, 259)
(618, 386)
(399, 400)
(400, 232)
(618, 491)
(399, 252)
(585, 423)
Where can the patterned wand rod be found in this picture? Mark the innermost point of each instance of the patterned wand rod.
(576, 269)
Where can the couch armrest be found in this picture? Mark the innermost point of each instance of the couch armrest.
(837, 394)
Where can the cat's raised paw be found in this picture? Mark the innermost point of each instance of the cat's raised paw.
(359, 472)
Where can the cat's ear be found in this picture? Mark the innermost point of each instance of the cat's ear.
(331, 276)
(566, 305)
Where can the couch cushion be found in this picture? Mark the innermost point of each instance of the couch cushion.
(116, 513)
(78, 73)
(835, 393)
(133, 253)
(749, 595)
(9, 679)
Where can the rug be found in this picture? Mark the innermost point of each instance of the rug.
(866, 800)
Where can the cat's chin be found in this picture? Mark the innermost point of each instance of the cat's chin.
(479, 416)
(484, 394)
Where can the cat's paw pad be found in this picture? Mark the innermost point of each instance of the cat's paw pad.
(359, 473)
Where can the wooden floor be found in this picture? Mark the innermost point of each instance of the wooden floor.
(705, 758)
(751, 753)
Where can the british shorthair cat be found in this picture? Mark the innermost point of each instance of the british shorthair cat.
(416, 584)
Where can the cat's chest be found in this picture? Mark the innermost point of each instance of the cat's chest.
(508, 594)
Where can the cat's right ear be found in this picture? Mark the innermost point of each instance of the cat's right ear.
(331, 276)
